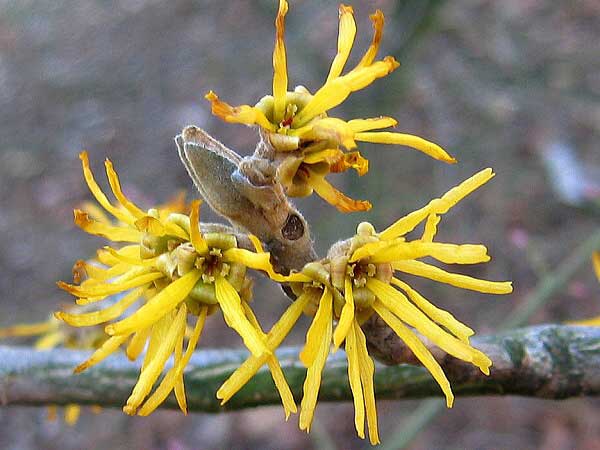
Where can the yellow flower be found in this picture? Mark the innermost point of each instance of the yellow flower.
(170, 269)
(298, 127)
(357, 280)
(53, 333)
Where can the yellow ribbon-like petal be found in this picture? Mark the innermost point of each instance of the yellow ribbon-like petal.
(231, 305)
(461, 281)
(408, 140)
(245, 114)
(110, 346)
(104, 315)
(154, 368)
(274, 338)
(347, 316)
(346, 35)
(163, 302)
(418, 348)
(280, 78)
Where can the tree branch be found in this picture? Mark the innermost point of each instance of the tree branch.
(548, 361)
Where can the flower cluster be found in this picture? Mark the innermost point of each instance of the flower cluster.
(306, 141)
(171, 269)
(358, 279)
(167, 268)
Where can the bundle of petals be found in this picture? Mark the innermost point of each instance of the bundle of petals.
(53, 333)
(357, 280)
(304, 140)
(170, 270)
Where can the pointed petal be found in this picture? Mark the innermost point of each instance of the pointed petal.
(198, 241)
(338, 90)
(347, 316)
(274, 338)
(233, 313)
(355, 382)
(377, 20)
(422, 269)
(408, 140)
(312, 383)
(367, 369)
(154, 368)
(111, 232)
(119, 214)
(444, 318)
(163, 302)
(346, 35)
(375, 123)
(418, 348)
(245, 114)
(336, 198)
(104, 315)
(438, 206)
(280, 78)
(398, 304)
(115, 185)
(318, 329)
(110, 346)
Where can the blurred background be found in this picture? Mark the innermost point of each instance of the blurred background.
(513, 85)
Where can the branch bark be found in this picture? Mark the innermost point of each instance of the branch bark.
(547, 361)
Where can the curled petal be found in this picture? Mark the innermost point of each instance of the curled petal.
(346, 35)
(336, 198)
(377, 20)
(115, 185)
(280, 79)
(111, 232)
(119, 214)
(245, 114)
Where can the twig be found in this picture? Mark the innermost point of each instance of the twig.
(549, 361)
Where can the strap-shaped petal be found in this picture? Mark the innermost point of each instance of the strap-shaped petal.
(119, 214)
(196, 237)
(338, 89)
(377, 20)
(355, 382)
(367, 369)
(159, 305)
(274, 338)
(425, 270)
(248, 115)
(110, 346)
(231, 305)
(418, 348)
(336, 198)
(280, 78)
(374, 123)
(110, 232)
(346, 35)
(444, 318)
(318, 329)
(408, 140)
(346, 318)
(438, 206)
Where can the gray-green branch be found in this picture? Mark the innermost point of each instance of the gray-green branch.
(548, 361)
